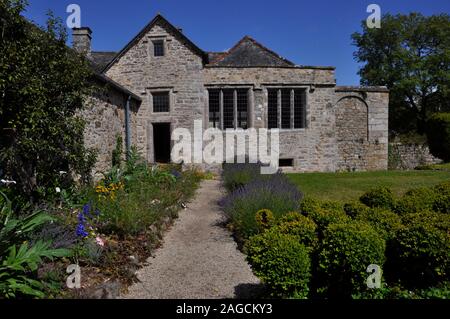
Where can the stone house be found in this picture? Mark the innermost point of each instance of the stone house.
(171, 82)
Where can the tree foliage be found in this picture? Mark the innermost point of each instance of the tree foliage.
(410, 54)
(42, 87)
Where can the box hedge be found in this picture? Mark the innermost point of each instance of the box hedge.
(281, 262)
(347, 250)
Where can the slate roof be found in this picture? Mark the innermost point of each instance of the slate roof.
(248, 53)
(101, 59)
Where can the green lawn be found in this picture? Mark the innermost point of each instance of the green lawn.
(349, 186)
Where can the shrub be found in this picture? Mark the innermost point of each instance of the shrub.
(281, 262)
(238, 175)
(150, 196)
(276, 194)
(303, 228)
(385, 222)
(420, 254)
(308, 205)
(323, 217)
(416, 200)
(435, 219)
(353, 209)
(347, 250)
(379, 197)
(443, 188)
(438, 135)
(264, 219)
(442, 204)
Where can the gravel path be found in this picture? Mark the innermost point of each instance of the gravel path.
(198, 259)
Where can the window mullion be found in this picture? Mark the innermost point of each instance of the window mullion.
(292, 110)
(235, 109)
(279, 108)
(221, 109)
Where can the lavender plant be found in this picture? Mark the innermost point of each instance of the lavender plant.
(275, 193)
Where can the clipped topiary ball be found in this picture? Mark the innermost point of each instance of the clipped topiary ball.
(281, 262)
(379, 197)
(347, 250)
(264, 219)
(303, 228)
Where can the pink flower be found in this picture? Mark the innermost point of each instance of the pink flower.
(99, 241)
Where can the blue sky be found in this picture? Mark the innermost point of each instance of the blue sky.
(303, 31)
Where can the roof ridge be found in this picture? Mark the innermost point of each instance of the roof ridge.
(251, 39)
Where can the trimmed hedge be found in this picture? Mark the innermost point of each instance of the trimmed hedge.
(420, 254)
(381, 197)
(416, 200)
(347, 250)
(438, 135)
(281, 262)
(385, 222)
(303, 228)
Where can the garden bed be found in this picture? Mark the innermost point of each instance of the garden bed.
(302, 247)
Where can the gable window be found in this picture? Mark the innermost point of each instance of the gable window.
(286, 108)
(161, 102)
(228, 108)
(158, 48)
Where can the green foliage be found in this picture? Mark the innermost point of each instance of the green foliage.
(353, 209)
(442, 204)
(18, 265)
(416, 200)
(42, 87)
(381, 197)
(281, 262)
(408, 55)
(147, 197)
(264, 219)
(385, 222)
(299, 226)
(238, 175)
(347, 250)
(443, 188)
(420, 254)
(117, 152)
(438, 134)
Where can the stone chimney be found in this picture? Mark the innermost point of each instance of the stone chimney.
(81, 40)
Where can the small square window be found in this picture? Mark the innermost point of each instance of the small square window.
(158, 48)
(160, 102)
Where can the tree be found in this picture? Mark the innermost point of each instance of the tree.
(410, 54)
(43, 84)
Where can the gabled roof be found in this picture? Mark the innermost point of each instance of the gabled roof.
(158, 19)
(249, 53)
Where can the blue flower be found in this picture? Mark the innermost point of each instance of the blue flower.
(81, 231)
(87, 209)
(97, 212)
(81, 218)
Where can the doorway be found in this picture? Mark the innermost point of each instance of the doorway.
(161, 142)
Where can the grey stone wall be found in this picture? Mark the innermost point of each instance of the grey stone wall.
(409, 156)
(104, 114)
(346, 127)
(178, 72)
(362, 129)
